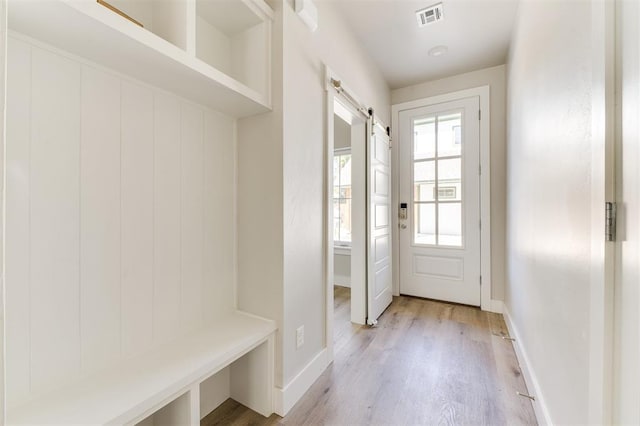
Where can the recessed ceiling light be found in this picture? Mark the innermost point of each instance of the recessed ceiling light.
(438, 51)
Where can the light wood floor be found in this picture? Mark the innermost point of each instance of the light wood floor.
(425, 363)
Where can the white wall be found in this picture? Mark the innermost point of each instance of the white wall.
(304, 135)
(120, 219)
(495, 78)
(281, 180)
(341, 133)
(549, 203)
(260, 206)
(342, 269)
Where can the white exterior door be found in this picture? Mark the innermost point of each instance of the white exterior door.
(439, 220)
(379, 290)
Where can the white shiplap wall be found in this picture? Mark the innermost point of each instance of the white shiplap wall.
(120, 218)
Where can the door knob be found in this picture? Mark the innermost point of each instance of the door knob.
(403, 226)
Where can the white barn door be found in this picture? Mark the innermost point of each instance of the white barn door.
(379, 292)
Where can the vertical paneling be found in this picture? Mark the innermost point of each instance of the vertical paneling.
(54, 211)
(120, 218)
(100, 219)
(166, 217)
(219, 224)
(137, 218)
(191, 216)
(17, 216)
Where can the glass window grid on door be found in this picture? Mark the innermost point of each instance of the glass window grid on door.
(437, 175)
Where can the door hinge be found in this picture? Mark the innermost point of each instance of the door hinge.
(479, 114)
(479, 169)
(480, 224)
(480, 280)
(610, 211)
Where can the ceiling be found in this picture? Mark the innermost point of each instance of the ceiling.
(476, 32)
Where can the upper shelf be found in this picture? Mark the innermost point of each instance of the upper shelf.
(189, 48)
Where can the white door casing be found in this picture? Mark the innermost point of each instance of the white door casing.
(625, 396)
(439, 176)
(379, 284)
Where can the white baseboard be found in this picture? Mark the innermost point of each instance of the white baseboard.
(497, 306)
(530, 378)
(285, 399)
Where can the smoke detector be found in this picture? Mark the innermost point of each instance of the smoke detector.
(429, 15)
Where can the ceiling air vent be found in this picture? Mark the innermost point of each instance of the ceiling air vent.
(430, 15)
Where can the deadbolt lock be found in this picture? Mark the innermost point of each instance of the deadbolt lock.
(402, 212)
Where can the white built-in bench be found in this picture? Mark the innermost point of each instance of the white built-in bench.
(172, 383)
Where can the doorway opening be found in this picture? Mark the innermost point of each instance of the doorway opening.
(440, 202)
(342, 222)
(443, 248)
(348, 216)
(345, 232)
(358, 214)
(349, 232)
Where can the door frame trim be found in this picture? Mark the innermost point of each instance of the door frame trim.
(358, 284)
(605, 134)
(484, 95)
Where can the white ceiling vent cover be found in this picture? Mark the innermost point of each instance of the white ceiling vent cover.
(430, 15)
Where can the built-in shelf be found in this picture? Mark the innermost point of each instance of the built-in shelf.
(237, 46)
(214, 52)
(177, 412)
(166, 19)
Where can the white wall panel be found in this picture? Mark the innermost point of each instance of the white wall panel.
(55, 202)
(549, 233)
(137, 218)
(100, 219)
(17, 214)
(219, 213)
(167, 217)
(191, 216)
(120, 218)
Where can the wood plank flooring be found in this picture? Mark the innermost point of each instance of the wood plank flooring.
(425, 363)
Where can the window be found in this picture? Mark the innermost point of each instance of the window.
(342, 197)
(437, 179)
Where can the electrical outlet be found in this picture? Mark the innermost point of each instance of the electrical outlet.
(299, 337)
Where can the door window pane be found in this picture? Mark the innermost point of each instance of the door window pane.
(424, 180)
(425, 224)
(424, 138)
(450, 179)
(450, 224)
(450, 135)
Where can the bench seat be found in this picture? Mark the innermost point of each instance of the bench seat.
(135, 388)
